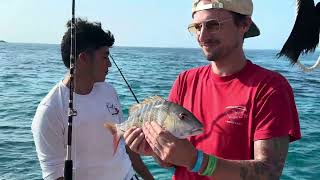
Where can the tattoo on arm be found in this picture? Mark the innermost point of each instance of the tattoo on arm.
(269, 160)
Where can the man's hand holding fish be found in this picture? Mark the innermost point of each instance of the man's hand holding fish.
(134, 138)
(168, 148)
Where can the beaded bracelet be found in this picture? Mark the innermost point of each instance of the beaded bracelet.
(197, 166)
(211, 166)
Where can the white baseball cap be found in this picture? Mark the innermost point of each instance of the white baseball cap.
(244, 7)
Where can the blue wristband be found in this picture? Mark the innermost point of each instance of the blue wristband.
(197, 166)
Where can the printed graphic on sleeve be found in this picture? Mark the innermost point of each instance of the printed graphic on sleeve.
(112, 108)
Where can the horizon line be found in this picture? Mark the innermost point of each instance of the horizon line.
(128, 46)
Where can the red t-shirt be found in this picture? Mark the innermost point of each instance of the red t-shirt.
(235, 110)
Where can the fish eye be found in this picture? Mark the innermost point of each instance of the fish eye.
(182, 116)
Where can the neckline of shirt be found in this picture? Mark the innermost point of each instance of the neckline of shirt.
(90, 94)
(237, 75)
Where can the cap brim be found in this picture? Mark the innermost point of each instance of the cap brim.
(253, 31)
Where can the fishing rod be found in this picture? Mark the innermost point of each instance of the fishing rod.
(68, 165)
(124, 79)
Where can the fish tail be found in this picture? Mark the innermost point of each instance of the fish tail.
(116, 136)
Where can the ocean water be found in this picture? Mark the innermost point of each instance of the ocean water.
(29, 71)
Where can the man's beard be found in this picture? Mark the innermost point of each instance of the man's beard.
(221, 52)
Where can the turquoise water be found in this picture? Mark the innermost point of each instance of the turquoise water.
(29, 71)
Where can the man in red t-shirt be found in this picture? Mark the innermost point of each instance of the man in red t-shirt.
(248, 112)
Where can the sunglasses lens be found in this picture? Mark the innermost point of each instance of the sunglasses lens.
(192, 29)
(195, 28)
(212, 26)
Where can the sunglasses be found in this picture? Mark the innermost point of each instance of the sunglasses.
(211, 25)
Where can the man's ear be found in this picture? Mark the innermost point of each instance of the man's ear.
(245, 24)
(83, 58)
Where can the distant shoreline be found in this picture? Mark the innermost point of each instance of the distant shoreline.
(2, 41)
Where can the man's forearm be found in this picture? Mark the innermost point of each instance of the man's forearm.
(268, 163)
(139, 166)
(245, 169)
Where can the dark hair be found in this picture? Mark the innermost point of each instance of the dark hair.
(89, 37)
(238, 18)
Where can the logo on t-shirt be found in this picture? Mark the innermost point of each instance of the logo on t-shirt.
(236, 114)
(112, 108)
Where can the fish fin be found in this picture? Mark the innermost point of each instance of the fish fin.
(152, 99)
(116, 136)
(134, 108)
(149, 100)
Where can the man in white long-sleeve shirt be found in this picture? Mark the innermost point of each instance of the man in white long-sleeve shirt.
(96, 102)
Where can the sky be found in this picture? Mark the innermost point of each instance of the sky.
(140, 23)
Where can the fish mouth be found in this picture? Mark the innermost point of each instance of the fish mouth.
(196, 131)
(190, 133)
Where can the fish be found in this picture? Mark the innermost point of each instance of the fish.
(172, 117)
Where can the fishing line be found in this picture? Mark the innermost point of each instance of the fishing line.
(124, 79)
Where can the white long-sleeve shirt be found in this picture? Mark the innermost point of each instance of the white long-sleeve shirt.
(92, 144)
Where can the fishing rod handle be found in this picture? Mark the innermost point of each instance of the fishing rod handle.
(68, 170)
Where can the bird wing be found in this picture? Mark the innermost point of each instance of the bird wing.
(304, 36)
